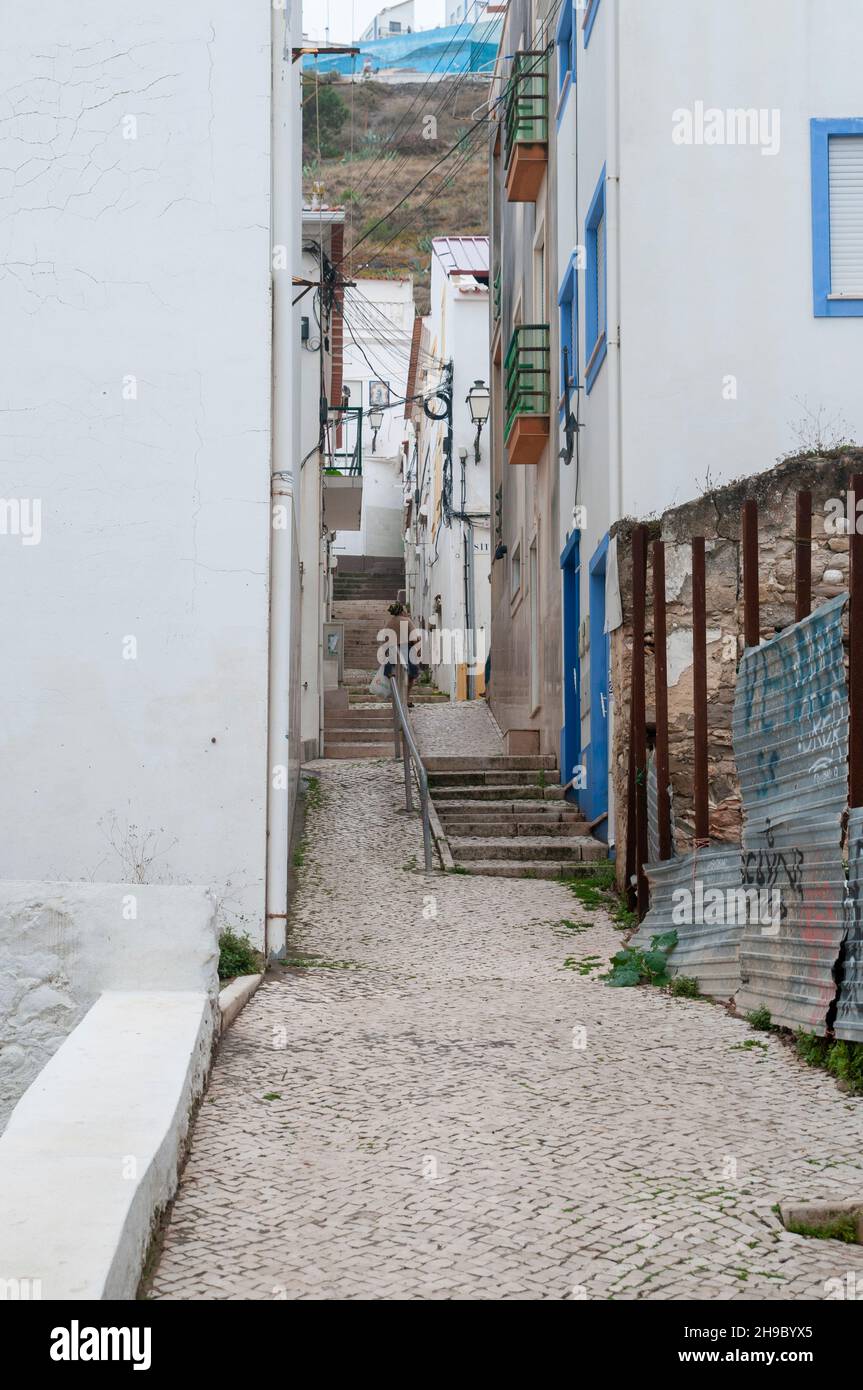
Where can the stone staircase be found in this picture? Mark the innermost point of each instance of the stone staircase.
(508, 816)
(358, 724)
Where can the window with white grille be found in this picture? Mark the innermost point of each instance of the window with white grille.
(845, 165)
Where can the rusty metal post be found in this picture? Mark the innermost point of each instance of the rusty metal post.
(639, 716)
(699, 689)
(855, 647)
(630, 813)
(660, 666)
(803, 557)
(751, 614)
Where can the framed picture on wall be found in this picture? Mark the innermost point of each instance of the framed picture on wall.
(379, 394)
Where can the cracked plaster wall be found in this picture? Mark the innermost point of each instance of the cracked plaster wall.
(135, 405)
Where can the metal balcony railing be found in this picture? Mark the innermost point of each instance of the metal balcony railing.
(497, 293)
(528, 373)
(348, 460)
(526, 105)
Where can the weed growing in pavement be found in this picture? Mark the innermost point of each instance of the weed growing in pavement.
(237, 956)
(840, 1228)
(685, 987)
(844, 1060)
(749, 1046)
(584, 964)
(314, 794)
(760, 1018)
(632, 966)
(315, 963)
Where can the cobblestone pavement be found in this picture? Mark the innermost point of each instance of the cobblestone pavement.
(462, 729)
(430, 1104)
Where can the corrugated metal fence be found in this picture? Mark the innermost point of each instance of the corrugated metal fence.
(778, 922)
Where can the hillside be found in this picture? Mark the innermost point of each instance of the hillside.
(367, 170)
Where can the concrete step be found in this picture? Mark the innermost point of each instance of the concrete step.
(472, 809)
(359, 698)
(500, 776)
(487, 828)
(541, 868)
(350, 610)
(506, 791)
(359, 718)
(514, 847)
(356, 751)
(497, 763)
(368, 733)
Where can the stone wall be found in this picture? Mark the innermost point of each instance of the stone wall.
(717, 516)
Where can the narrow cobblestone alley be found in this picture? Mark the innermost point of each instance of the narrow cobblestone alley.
(429, 1103)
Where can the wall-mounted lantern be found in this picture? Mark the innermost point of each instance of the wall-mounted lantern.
(376, 419)
(479, 403)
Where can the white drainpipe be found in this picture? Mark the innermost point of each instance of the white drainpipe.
(612, 278)
(285, 225)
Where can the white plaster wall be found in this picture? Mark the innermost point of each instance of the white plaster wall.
(716, 256)
(63, 944)
(142, 258)
(377, 346)
(458, 330)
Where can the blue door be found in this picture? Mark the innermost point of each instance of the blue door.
(597, 773)
(570, 734)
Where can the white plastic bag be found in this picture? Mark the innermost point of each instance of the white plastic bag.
(379, 684)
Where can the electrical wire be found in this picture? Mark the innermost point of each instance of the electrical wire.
(469, 135)
(389, 143)
(400, 163)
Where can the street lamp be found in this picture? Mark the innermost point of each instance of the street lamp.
(479, 403)
(376, 419)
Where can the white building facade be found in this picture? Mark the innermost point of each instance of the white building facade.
(447, 479)
(378, 331)
(709, 278)
(149, 726)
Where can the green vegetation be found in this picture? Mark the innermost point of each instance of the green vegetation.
(314, 794)
(273, 1095)
(840, 1228)
(583, 964)
(324, 113)
(760, 1018)
(632, 967)
(237, 956)
(316, 963)
(685, 987)
(844, 1060)
(749, 1046)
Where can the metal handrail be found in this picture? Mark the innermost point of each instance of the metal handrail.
(407, 749)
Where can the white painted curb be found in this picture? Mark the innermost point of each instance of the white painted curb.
(235, 996)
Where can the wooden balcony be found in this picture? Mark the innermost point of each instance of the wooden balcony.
(526, 127)
(528, 393)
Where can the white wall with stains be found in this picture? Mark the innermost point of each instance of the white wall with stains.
(135, 410)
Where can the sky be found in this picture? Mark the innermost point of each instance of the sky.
(348, 18)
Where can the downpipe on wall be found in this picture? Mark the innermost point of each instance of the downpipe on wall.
(612, 279)
(279, 799)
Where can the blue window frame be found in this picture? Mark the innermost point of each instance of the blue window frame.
(567, 300)
(596, 300)
(837, 217)
(564, 40)
(589, 20)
